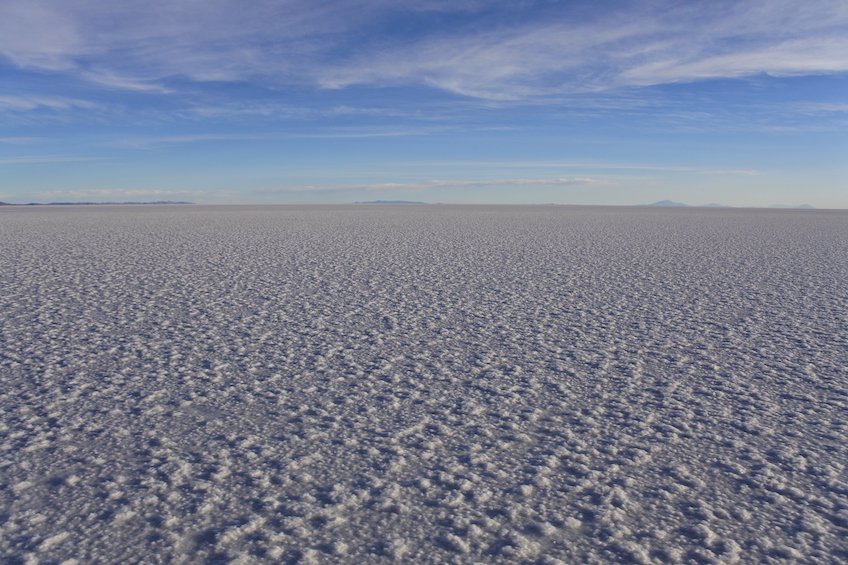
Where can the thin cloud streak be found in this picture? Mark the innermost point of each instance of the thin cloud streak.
(41, 159)
(144, 142)
(25, 103)
(750, 173)
(59, 195)
(567, 165)
(20, 140)
(148, 142)
(112, 80)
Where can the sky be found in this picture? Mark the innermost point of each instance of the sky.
(741, 103)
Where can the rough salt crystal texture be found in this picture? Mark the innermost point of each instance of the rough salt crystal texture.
(423, 384)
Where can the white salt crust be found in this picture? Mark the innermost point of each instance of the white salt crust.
(423, 384)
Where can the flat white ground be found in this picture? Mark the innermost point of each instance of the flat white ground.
(423, 384)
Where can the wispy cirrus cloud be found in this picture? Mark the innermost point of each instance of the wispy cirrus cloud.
(657, 43)
(432, 184)
(491, 50)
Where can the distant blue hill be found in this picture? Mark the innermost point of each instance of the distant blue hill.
(665, 203)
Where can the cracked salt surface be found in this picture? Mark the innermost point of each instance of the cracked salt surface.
(424, 384)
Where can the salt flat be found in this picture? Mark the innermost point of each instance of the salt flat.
(423, 384)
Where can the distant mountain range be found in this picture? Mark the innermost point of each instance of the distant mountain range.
(668, 203)
(95, 203)
(680, 204)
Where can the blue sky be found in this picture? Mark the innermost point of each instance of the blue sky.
(742, 103)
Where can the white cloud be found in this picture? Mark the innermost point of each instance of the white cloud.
(426, 185)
